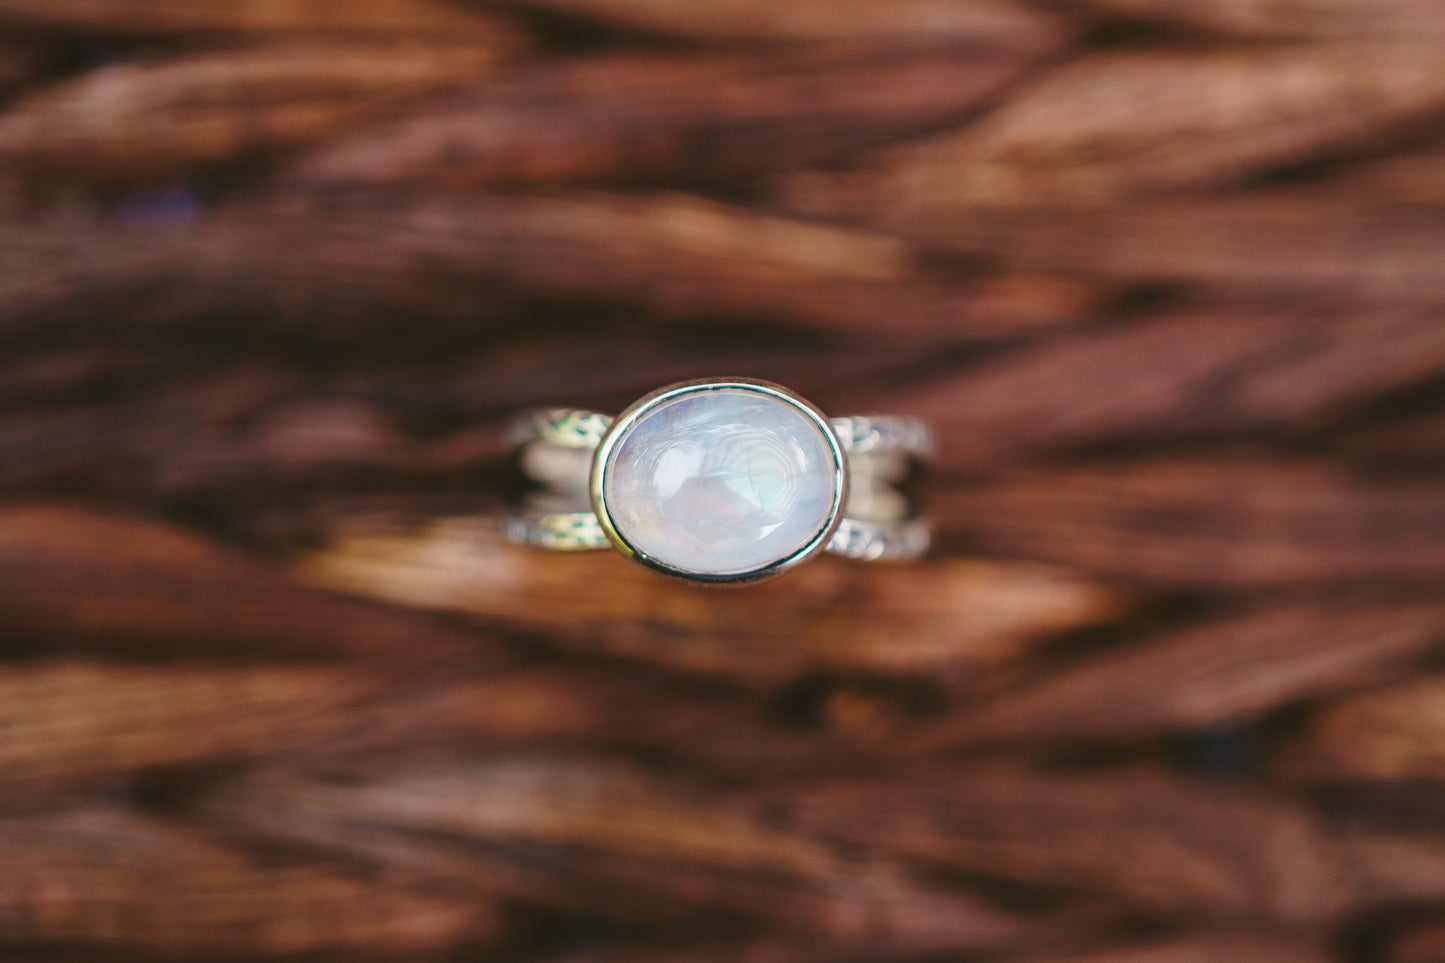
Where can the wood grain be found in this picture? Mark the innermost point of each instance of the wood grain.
(138, 121)
(884, 22)
(1390, 733)
(1227, 520)
(1338, 243)
(1215, 673)
(1305, 18)
(83, 722)
(526, 818)
(87, 581)
(80, 723)
(301, 260)
(1418, 944)
(1209, 947)
(21, 63)
(961, 618)
(1215, 369)
(141, 17)
(1178, 847)
(1124, 123)
(116, 880)
(692, 118)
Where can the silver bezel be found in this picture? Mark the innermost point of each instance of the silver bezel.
(623, 423)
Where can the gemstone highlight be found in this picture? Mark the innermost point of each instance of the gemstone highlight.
(723, 481)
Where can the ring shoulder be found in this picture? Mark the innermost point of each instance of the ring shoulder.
(558, 531)
(873, 541)
(866, 434)
(566, 427)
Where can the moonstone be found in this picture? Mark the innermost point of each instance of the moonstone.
(721, 482)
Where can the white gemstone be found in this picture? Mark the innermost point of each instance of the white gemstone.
(722, 481)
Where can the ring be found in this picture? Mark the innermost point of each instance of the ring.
(724, 481)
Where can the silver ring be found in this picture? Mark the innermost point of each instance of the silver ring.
(722, 481)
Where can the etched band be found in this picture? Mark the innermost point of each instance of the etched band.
(880, 434)
(568, 427)
(558, 531)
(581, 532)
(872, 541)
(857, 434)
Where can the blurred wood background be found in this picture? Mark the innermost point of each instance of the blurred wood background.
(1168, 277)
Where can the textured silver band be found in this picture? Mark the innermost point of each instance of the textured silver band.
(857, 434)
(883, 434)
(558, 531)
(581, 532)
(567, 427)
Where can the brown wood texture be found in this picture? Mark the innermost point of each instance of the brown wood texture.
(953, 620)
(1167, 844)
(109, 878)
(887, 22)
(127, 18)
(1124, 123)
(151, 120)
(1273, 20)
(624, 844)
(1385, 733)
(1166, 278)
(709, 118)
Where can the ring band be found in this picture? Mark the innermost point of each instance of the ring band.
(723, 481)
(579, 428)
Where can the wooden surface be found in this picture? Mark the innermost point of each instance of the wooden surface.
(1168, 278)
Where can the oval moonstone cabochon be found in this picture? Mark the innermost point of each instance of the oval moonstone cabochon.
(721, 481)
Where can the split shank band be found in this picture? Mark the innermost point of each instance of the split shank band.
(695, 434)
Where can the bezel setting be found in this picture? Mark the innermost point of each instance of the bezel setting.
(622, 427)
